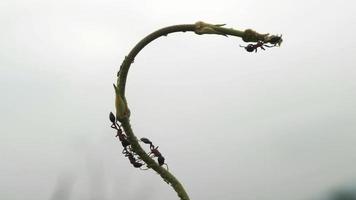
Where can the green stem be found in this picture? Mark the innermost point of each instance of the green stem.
(199, 28)
(122, 75)
(165, 174)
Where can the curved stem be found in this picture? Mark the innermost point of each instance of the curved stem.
(122, 111)
(199, 28)
(122, 74)
(166, 175)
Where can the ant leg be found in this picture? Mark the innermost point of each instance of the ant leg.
(152, 146)
(113, 126)
(125, 151)
(269, 46)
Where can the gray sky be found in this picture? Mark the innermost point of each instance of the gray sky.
(278, 124)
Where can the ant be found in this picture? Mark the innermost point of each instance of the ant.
(113, 120)
(122, 137)
(159, 156)
(155, 152)
(125, 143)
(133, 160)
(147, 141)
(254, 47)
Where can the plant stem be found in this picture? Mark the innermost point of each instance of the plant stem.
(166, 175)
(122, 75)
(121, 105)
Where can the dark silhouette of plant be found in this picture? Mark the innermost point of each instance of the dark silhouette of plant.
(121, 122)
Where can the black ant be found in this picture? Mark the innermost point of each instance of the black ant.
(254, 47)
(122, 137)
(160, 159)
(159, 156)
(125, 143)
(134, 161)
(147, 141)
(155, 152)
(112, 118)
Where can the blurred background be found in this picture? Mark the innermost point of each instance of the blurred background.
(277, 124)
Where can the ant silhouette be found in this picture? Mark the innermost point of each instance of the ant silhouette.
(254, 47)
(155, 152)
(134, 161)
(275, 40)
(127, 151)
(147, 141)
(122, 137)
(126, 143)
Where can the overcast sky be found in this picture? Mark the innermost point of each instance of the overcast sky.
(277, 124)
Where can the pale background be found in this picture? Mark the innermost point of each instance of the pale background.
(277, 124)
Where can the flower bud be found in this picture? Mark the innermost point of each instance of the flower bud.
(121, 108)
